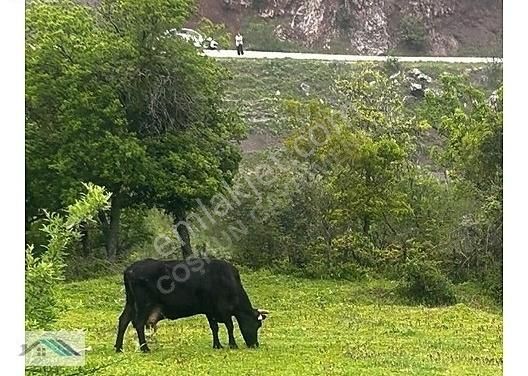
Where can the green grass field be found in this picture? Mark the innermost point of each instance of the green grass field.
(315, 328)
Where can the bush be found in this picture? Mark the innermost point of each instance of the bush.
(43, 272)
(425, 284)
(343, 18)
(216, 31)
(258, 4)
(493, 74)
(492, 282)
(259, 36)
(413, 33)
(392, 65)
(81, 268)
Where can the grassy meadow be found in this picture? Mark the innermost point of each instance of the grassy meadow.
(130, 134)
(316, 327)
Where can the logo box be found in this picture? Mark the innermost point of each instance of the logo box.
(54, 348)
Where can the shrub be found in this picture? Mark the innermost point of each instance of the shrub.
(492, 282)
(343, 18)
(141, 228)
(258, 4)
(260, 36)
(45, 271)
(413, 33)
(493, 74)
(216, 31)
(392, 65)
(425, 284)
(81, 268)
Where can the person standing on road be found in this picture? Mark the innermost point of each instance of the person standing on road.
(239, 42)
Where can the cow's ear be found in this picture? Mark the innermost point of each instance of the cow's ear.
(261, 314)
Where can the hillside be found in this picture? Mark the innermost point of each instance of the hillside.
(315, 328)
(259, 88)
(433, 27)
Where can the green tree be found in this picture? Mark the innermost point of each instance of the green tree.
(472, 124)
(365, 153)
(359, 188)
(112, 100)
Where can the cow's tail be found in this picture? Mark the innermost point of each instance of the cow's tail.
(129, 290)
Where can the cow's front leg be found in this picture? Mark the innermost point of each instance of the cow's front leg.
(213, 324)
(230, 329)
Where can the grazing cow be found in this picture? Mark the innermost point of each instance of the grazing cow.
(158, 289)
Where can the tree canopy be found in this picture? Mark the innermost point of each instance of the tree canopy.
(113, 100)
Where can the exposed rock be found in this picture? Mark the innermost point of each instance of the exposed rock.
(419, 75)
(417, 90)
(370, 36)
(279, 33)
(443, 45)
(370, 26)
(415, 72)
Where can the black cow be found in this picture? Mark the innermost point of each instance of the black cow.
(157, 289)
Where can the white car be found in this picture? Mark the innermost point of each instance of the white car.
(194, 37)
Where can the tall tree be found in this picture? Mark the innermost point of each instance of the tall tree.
(472, 123)
(112, 100)
(361, 154)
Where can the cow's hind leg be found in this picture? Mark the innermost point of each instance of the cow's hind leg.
(141, 320)
(124, 320)
(213, 324)
(143, 307)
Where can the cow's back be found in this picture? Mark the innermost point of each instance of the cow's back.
(183, 288)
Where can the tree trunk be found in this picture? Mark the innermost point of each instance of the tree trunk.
(328, 240)
(183, 233)
(112, 233)
(85, 240)
(366, 219)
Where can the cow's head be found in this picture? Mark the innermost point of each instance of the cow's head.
(249, 323)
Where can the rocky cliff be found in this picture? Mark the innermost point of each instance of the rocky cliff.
(447, 27)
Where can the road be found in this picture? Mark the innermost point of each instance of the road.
(224, 54)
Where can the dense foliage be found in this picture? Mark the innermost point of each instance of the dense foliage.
(114, 101)
(413, 33)
(367, 195)
(368, 181)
